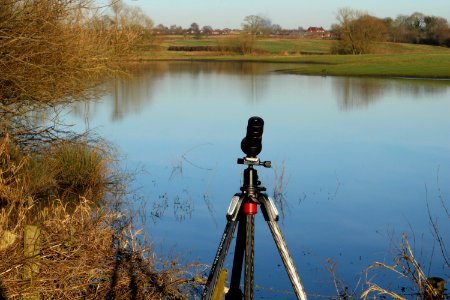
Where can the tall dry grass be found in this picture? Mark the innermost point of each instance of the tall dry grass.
(84, 256)
(65, 170)
(86, 251)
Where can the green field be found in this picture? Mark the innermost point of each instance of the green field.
(313, 57)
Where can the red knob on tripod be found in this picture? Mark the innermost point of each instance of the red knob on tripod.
(250, 208)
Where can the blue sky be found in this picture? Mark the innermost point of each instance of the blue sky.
(287, 13)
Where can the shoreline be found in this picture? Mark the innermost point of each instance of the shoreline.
(335, 65)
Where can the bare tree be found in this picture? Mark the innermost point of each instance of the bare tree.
(195, 28)
(53, 52)
(357, 31)
(420, 28)
(437, 31)
(256, 25)
(207, 30)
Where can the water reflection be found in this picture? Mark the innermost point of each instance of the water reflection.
(341, 179)
(357, 93)
(132, 94)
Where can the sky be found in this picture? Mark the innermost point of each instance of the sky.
(287, 13)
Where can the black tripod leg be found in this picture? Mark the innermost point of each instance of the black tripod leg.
(287, 260)
(249, 257)
(219, 259)
(235, 291)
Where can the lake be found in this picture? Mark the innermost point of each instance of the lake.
(356, 163)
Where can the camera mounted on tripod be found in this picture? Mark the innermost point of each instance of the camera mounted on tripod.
(251, 144)
(240, 214)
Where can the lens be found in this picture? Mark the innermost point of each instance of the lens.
(255, 128)
(251, 144)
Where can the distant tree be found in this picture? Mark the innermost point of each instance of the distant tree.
(131, 22)
(416, 21)
(256, 25)
(276, 29)
(207, 30)
(437, 31)
(174, 29)
(357, 31)
(419, 28)
(130, 17)
(400, 31)
(161, 29)
(194, 29)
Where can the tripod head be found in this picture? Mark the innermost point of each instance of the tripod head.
(251, 144)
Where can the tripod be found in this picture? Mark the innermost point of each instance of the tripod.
(241, 213)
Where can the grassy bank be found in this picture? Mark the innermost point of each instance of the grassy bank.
(77, 249)
(313, 57)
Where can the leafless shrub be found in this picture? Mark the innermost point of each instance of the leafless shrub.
(55, 52)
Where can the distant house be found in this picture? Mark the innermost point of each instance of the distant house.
(317, 32)
(221, 31)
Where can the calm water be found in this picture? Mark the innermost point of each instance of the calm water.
(357, 161)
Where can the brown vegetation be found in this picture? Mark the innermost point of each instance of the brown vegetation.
(418, 28)
(241, 44)
(47, 51)
(55, 183)
(84, 250)
(357, 32)
(54, 52)
(407, 267)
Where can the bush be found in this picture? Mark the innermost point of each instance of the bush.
(64, 171)
(242, 44)
(78, 170)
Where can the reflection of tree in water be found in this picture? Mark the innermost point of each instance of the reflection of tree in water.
(358, 92)
(131, 94)
(353, 93)
(251, 74)
(210, 67)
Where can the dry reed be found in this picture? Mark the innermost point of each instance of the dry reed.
(406, 267)
(86, 251)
